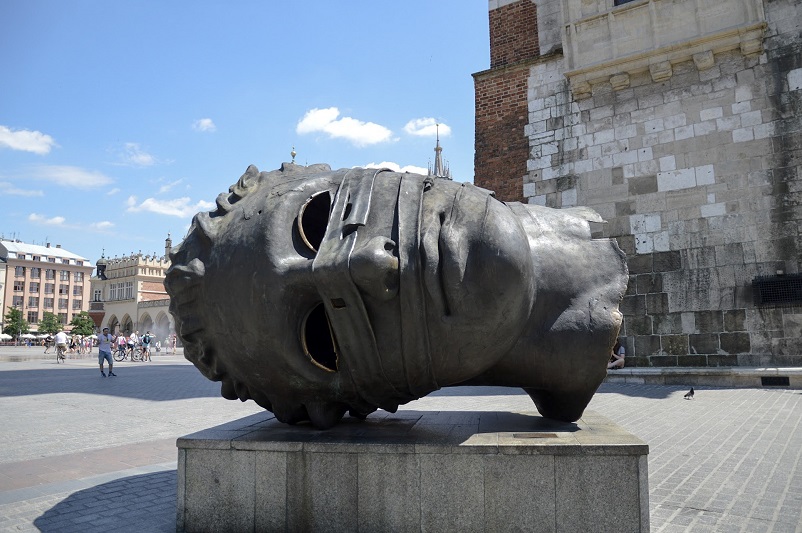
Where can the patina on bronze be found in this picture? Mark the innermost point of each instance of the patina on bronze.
(316, 292)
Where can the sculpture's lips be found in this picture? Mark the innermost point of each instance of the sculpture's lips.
(432, 250)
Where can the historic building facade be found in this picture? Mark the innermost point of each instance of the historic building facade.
(680, 122)
(127, 294)
(43, 278)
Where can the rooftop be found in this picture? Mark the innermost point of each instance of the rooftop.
(17, 248)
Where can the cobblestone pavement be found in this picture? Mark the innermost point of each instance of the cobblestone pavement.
(86, 453)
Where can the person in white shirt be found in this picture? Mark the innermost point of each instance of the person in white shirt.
(61, 344)
(104, 344)
(133, 340)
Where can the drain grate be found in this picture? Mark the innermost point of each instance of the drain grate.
(534, 435)
(777, 290)
(775, 381)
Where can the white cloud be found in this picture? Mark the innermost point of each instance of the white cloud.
(112, 192)
(167, 186)
(395, 167)
(357, 132)
(177, 207)
(317, 120)
(9, 188)
(40, 219)
(26, 140)
(102, 226)
(97, 227)
(204, 124)
(133, 154)
(68, 176)
(427, 127)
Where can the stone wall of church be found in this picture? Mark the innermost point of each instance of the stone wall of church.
(697, 167)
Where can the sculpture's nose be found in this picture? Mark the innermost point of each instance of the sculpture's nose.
(374, 268)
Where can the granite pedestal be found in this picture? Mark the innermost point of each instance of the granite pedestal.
(414, 471)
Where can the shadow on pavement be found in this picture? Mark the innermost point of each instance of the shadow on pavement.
(165, 382)
(656, 392)
(162, 382)
(628, 389)
(136, 504)
(475, 390)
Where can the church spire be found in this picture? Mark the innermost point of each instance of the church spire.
(440, 170)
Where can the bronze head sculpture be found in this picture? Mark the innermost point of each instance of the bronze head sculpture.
(316, 292)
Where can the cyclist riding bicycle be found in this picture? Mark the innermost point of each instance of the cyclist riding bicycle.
(133, 340)
(61, 345)
(122, 342)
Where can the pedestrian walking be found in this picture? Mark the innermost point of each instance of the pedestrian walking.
(104, 344)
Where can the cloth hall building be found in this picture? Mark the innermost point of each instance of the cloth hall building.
(128, 294)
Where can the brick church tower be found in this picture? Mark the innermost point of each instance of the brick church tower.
(501, 99)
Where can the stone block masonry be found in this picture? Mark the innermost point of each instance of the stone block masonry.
(415, 471)
(696, 165)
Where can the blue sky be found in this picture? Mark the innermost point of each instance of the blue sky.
(119, 120)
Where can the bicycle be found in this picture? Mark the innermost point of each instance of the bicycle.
(60, 351)
(123, 352)
(120, 353)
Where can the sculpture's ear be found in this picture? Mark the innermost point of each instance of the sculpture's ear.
(585, 213)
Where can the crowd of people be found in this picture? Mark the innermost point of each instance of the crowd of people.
(107, 343)
(83, 344)
(76, 344)
(143, 342)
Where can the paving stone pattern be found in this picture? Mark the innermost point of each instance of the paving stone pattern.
(83, 453)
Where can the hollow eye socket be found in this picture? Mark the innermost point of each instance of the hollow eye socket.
(317, 339)
(313, 218)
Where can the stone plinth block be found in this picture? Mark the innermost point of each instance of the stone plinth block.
(415, 471)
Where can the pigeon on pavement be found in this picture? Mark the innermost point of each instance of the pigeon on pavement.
(689, 394)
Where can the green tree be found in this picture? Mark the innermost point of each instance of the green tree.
(82, 324)
(15, 324)
(49, 323)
